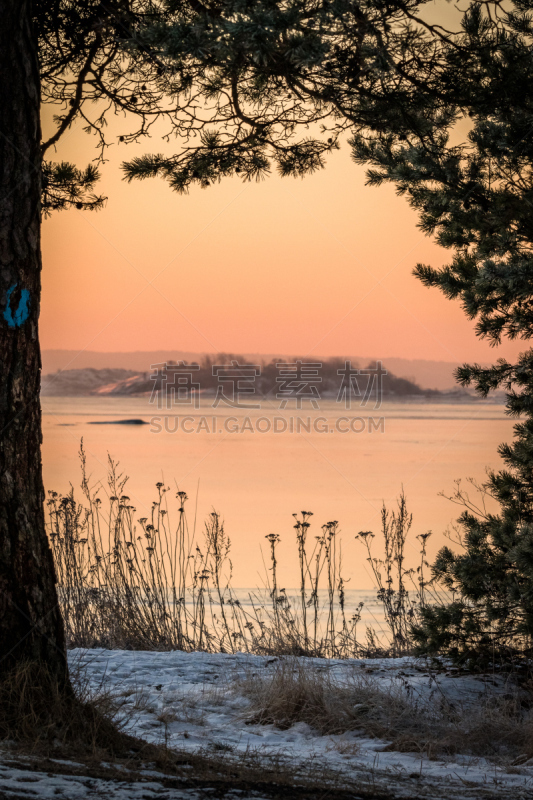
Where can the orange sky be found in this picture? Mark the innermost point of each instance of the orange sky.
(319, 266)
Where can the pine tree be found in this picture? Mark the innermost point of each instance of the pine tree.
(476, 197)
(209, 70)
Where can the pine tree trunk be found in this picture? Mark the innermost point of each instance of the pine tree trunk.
(31, 628)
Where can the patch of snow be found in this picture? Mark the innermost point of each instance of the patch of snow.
(189, 701)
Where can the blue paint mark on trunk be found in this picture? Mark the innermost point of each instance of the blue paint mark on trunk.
(22, 312)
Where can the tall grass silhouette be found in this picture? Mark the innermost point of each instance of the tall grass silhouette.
(152, 584)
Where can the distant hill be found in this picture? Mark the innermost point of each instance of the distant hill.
(327, 381)
(427, 374)
(81, 382)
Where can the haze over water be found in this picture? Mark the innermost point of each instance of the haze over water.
(258, 480)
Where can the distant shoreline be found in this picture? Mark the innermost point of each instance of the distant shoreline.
(442, 399)
(428, 374)
(326, 381)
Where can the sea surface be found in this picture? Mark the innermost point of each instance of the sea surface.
(257, 468)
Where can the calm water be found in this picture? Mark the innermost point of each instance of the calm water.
(257, 478)
(371, 612)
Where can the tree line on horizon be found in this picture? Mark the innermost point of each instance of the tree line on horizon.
(265, 377)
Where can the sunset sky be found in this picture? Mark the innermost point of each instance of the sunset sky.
(315, 266)
(320, 267)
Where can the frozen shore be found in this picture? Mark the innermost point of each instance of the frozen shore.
(193, 702)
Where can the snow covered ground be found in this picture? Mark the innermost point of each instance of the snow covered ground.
(191, 701)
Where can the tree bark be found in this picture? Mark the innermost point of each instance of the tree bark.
(31, 628)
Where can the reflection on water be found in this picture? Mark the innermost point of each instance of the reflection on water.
(371, 611)
(258, 480)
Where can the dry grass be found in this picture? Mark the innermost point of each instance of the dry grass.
(299, 692)
(150, 583)
(499, 728)
(38, 711)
